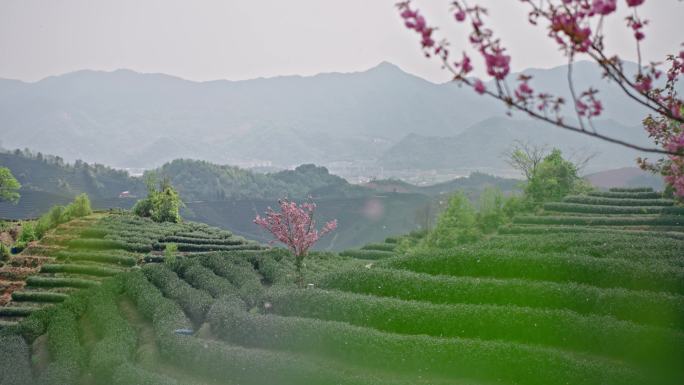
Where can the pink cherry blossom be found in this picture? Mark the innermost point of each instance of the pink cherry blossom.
(603, 7)
(294, 226)
(634, 3)
(479, 87)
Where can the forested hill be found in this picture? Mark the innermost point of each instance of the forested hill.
(203, 181)
(195, 180)
(50, 174)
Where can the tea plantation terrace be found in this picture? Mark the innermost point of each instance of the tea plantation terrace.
(569, 302)
(82, 253)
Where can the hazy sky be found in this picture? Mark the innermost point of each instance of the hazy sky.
(231, 39)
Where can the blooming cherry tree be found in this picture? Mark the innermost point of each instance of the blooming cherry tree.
(576, 26)
(295, 227)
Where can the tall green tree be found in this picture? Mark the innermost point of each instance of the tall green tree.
(456, 225)
(9, 186)
(162, 203)
(554, 178)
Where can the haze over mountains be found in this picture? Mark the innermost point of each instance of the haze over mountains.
(382, 117)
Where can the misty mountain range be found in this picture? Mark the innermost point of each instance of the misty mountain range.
(382, 116)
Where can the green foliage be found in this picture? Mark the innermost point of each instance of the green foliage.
(631, 189)
(162, 204)
(367, 254)
(94, 270)
(673, 220)
(556, 328)
(553, 179)
(606, 209)
(57, 215)
(456, 225)
(4, 252)
(28, 232)
(194, 302)
(116, 338)
(79, 283)
(492, 210)
(238, 271)
(627, 194)
(594, 200)
(374, 349)
(170, 254)
(380, 246)
(638, 306)
(80, 207)
(600, 272)
(8, 186)
(38, 296)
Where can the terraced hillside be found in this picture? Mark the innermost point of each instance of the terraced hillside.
(592, 302)
(83, 252)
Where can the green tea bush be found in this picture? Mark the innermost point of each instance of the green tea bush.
(271, 265)
(202, 241)
(123, 260)
(600, 272)
(600, 209)
(558, 328)
(594, 200)
(38, 296)
(629, 246)
(108, 244)
(601, 220)
(194, 302)
(380, 246)
(94, 232)
(560, 229)
(190, 247)
(204, 279)
(658, 309)
(631, 189)
(80, 283)
(240, 272)
(448, 357)
(627, 195)
(367, 254)
(16, 311)
(94, 270)
(66, 353)
(116, 338)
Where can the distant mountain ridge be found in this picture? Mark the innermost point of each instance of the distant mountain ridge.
(482, 146)
(127, 119)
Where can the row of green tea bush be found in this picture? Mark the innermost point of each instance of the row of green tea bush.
(448, 357)
(627, 194)
(631, 189)
(593, 200)
(600, 272)
(597, 209)
(565, 329)
(675, 220)
(651, 308)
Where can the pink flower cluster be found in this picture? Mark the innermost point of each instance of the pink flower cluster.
(569, 32)
(415, 21)
(294, 225)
